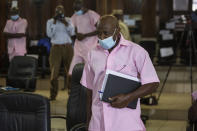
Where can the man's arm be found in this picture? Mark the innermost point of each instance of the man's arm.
(91, 33)
(14, 35)
(89, 106)
(70, 28)
(50, 29)
(21, 33)
(81, 36)
(122, 100)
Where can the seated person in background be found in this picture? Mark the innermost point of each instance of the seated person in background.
(123, 27)
(15, 31)
(115, 53)
(60, 30)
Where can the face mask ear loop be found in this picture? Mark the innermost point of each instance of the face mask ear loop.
(114, 34)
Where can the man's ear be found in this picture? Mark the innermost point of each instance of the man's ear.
(118, 33)
(118, 28)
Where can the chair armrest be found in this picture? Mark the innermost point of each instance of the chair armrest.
(78, 126)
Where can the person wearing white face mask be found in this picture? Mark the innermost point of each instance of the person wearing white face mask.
(114, 52)
(15, 31)
(85, 21)
(108, 42)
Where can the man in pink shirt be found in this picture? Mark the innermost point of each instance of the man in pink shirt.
(15, 31)
(84, 21)
(115, 53)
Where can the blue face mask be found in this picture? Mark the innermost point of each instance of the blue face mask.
(80, 12)
(14, 17)
(108, 43)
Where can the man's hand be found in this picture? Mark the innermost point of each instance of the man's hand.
(55, 19)
(80, 36)
(16, 35)
(21, 34)
(63, 21)
(119, 101)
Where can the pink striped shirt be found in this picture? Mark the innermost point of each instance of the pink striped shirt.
(16, 45)
(127, 58)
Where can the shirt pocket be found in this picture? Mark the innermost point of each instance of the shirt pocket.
(128, 69)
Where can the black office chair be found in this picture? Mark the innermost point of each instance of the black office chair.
(76, 107)
(22, 73)
(43, 56)
(192, 117)
(24, 112)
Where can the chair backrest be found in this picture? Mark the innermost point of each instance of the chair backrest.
(76, 107)
(24, 112)
(22, 72)
(22, 66)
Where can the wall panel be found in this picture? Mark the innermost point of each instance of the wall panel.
(3, 15)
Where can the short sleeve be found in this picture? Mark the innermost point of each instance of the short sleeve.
(23, 27)
(70, 28)
(145, 68)
(50, 29)
(94, 17)
(6, 29)
(73, 20)
(26, 24)
(87, 76)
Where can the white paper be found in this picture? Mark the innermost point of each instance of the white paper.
(180, 5)
(103, 86)
(122, 75)
(33, 43)
(167, 37)
(14, 3)
(170, 25)
(194, 5)
(125, 17)
(162, 32)
(165, 52)
(116, 74)
(129, 22)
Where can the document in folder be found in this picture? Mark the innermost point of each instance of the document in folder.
(116, 83)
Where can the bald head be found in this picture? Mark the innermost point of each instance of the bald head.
(108, 20)
(78, 5)
(107, 26)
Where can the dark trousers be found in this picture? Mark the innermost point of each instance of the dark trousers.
(59, 54)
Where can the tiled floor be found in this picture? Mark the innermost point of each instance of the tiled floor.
(152, 125)
(164, 125)
(58, 125)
